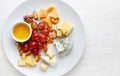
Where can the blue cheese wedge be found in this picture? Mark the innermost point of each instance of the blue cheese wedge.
(63, 46)
(59, 46)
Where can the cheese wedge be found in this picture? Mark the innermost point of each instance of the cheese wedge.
(53, 61)
(43, 66)
(23, 56)
(30, 61)
(21, 62)
(66, 28)
(42, 13)
(46, 59)
(59, 33)
(58, 26)
(49, 53)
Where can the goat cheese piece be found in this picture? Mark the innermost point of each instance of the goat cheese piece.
(46, 59)
(53, 61)
(43, 66)
(49, 53)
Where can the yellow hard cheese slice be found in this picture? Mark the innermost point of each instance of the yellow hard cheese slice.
(23, 56)
(30, 61)
(66, 28)
(21, 62)
(43, 66)
(58, 26)
(59, 33)
(42, 13)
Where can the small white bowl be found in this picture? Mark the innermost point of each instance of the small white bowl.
(18, 40)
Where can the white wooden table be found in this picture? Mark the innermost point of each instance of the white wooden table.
(101, 19)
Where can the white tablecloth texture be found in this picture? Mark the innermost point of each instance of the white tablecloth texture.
(101, 19)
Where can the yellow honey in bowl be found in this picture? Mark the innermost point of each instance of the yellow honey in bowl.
(21, 31)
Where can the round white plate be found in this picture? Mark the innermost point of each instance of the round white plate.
(77, 36)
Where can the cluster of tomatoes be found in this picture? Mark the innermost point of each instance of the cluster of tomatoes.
(38, 38)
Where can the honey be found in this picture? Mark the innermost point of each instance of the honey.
(21, 31)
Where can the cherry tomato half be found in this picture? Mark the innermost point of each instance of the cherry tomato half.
(33, 44)
(40, 45)
(41, 25)
(42, 38)
(35, 51)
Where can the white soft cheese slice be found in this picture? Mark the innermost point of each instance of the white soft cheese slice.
(43, 66)
(46, 59)
(53, 61)
(49, 53)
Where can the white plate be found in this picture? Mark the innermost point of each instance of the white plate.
(77, 36)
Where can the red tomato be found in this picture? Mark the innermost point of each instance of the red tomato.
(34, 25)
(34, 31)
(33, 44)
(35, 35)
(45, 32)
(42, 37)
(25, 47)
(35, 51)
(40, 45)
(41, 25)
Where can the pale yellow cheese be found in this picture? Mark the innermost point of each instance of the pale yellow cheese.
(66, 28)
(59, 33)
(53, 61)
(42, 13)
(43, 66)
(49, 53)
(30, 61)
(58, 26)
(23, 56)
(21, 62)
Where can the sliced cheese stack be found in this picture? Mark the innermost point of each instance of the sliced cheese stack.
(49, 59)
(65, 28)
(26, 61)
